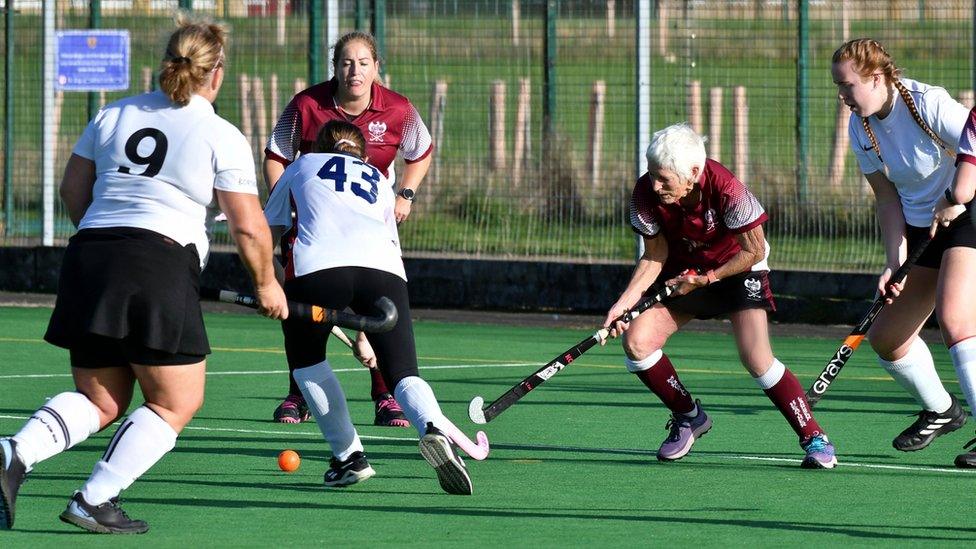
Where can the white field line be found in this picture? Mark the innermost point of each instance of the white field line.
(632, 451)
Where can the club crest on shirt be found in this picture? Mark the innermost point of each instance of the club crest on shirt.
(376, 131)
(753, 287)
(709, 220)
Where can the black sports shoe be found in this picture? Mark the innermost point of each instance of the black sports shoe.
(107, 518)
(12, 475)
(344, 473)
(968, 459)
(441, 453)
(930, 425)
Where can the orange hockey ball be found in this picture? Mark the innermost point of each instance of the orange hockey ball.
(288, 461)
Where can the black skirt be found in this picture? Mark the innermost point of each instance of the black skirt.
(129, 283)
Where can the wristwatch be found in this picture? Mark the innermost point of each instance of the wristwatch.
(407, 194)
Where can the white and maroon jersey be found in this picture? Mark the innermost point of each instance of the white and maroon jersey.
(389, 124)
(915, 164)
(157, 165)
(701, 237)
(967, 140)
(343, 215)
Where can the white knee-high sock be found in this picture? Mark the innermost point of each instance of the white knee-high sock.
(64, 421)
(964, 359)
(915, 372)
(141, 441)
(327, 402)
(419, 403)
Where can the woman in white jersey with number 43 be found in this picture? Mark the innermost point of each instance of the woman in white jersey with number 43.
(138, 187)
(904, 134)
(346, 252)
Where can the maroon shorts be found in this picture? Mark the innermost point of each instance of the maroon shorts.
(748, 290)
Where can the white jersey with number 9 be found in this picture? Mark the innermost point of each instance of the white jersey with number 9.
(157, 166)
(343, 215)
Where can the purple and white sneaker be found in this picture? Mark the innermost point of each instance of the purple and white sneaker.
(820, 453)
(684, 431)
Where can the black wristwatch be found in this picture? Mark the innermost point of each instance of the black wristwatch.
(407, 193)
(949, 196)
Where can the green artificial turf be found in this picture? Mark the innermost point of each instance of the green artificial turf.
(572, 464)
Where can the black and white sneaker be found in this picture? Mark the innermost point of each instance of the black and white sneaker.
(441, 453)
(12, 475)
(344, 473)
(107, 518)
(967, 460)
(930, 425)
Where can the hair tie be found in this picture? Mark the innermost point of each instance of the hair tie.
(350, 143)
(181, 59)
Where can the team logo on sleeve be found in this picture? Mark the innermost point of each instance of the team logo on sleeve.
(376, 131)
(753, 287)
(709, 220)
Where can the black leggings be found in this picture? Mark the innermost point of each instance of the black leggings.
(357, 288)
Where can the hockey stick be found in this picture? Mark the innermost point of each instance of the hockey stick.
(481, 414)
(319, 315)
(857, 335)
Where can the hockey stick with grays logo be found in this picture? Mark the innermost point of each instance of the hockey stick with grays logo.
(384, 322)
(857, 335)
(479, 413)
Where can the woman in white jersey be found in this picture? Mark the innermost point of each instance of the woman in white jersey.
(904, 134)
(138, 186)
(346, 252)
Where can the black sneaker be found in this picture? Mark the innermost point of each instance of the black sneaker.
(389, 413)
(930, 425)
(12, 475)
(344, 473)
(441, 453)
(968, 459)
(107, 518)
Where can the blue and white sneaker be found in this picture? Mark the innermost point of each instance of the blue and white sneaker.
(820, 453)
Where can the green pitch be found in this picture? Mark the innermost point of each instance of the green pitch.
(572, 464)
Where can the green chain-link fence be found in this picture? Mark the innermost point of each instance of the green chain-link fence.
(532, 104)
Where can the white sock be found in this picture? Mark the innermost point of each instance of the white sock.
(327, 402)
(964, 359)
(142, 440)
(915, 372)
(772, 376)
(419, 403)
(64, 421)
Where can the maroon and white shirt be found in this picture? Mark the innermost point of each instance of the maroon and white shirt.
(389, 124)
(967, 140)
(700, 237)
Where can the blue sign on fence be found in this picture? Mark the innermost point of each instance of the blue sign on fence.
(93, 60)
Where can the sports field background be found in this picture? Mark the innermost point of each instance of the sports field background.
(469, 206)
(572, 464)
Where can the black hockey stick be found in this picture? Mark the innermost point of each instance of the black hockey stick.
(857, 335)
(482, 414)
(319, 315)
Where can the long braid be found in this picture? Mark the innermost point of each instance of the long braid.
(906, 96)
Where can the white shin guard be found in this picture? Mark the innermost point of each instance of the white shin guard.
(64, 421)
(915, 372)
(327, 402)
(419, 403)
(964, 359)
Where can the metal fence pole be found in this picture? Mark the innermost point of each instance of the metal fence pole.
(362, 19)
(94, 22)
(314, 42)
(802, 100)
(379, 32)
(549, 70)
(642, 37)
(48, 143)
(8, 109)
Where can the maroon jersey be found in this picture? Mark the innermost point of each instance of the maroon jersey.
(702, 236)
(390, 123)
